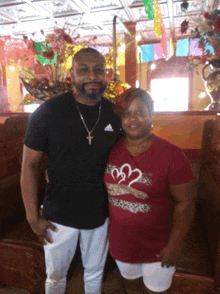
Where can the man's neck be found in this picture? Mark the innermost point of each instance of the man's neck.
(90, 102)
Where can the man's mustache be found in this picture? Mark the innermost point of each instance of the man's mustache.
(92, 83)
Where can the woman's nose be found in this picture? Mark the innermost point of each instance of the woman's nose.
(133, 116)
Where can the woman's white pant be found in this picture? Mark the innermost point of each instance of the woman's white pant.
(59, 254)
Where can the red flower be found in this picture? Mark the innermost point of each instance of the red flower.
(184, 26)
(67, 38)
(207, 15)
(48, 54)
(217, 25)
(67, 81)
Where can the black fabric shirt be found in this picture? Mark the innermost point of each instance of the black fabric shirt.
(75, 195)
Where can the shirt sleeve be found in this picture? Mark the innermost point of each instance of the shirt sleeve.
(36, 134)
(180, 170)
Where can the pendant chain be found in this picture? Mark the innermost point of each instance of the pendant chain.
(85, 125)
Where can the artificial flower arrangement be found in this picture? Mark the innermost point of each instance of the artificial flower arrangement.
(114, 89)
(207, 31)
(29, 99)
(53, 77)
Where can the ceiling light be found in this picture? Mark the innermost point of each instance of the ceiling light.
(122, 48)
(153, 66)
(138, 37)
(139, 49)
(202, 95)
(137, 84)
(12, 68)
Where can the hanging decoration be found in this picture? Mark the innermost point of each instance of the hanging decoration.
(157, 19)
(148, 4)
(147, 53)
(159, 28)
(158, 53)
(163, 41)
(182, 47)
(171, 47)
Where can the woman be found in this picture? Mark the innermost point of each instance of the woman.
(150, 201)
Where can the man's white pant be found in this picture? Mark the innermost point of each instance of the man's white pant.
(59, 254)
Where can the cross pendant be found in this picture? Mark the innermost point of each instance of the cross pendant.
(89, 138)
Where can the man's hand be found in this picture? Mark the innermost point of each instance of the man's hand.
(170, 254)
(40, 227)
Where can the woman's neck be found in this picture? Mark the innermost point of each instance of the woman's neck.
(136, 147)
(139, 142)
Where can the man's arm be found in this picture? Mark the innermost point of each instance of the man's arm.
(182, 216)
(29, 188)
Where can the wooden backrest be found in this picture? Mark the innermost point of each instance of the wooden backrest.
(209, 191)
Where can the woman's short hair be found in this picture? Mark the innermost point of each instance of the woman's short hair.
(124, 100)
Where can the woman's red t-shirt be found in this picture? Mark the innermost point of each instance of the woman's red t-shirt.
(140, 203)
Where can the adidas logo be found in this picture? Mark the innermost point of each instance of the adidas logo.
(108, 128)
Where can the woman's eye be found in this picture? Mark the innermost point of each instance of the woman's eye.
(125, 114)
(140, 112)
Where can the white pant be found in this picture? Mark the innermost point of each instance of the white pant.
(155, 277)
(59, 254)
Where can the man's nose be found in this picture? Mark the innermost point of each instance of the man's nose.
(92, 74)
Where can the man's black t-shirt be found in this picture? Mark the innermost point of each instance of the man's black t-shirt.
(75, 195)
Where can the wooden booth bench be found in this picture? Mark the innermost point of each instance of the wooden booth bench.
(198, 270)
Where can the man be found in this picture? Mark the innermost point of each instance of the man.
(76, 130)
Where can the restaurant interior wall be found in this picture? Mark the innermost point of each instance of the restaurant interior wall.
(15, 95)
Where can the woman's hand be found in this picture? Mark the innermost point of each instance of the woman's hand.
(170, 254)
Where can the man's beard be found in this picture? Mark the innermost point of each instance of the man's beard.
(93, 96)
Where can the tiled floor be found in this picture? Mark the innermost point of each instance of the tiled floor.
(13, 290)
(112, 285)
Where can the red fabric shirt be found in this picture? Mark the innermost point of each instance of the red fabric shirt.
(140, 204)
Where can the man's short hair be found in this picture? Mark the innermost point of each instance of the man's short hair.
(88, 50)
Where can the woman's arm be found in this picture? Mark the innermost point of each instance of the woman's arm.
(182, 216)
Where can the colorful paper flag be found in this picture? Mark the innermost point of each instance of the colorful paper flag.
(157, 19)
(148, 4)
(163, 41)
(147, 53)
(194, 49)
(171, 48)
(158, 53)
(182, 47)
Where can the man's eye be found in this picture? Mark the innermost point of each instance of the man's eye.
(99, 70)
(83, 70)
